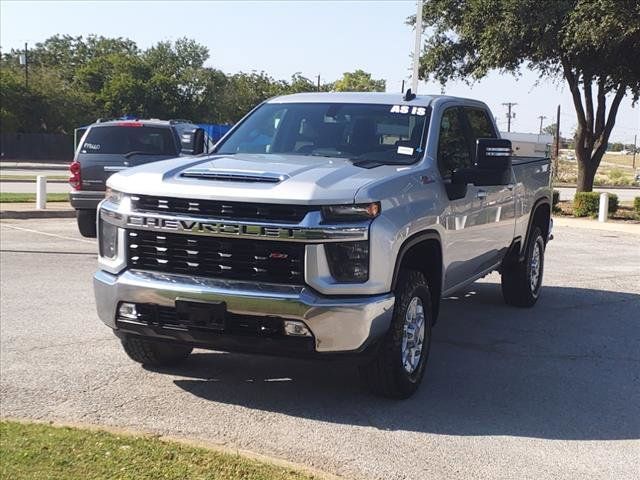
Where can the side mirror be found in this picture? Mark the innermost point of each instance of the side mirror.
(492, 165)
(493, 154)
(193, 142)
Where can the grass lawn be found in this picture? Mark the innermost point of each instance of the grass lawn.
(36, 451)
(6, 197)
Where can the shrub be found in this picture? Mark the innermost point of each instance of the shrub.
(587, 203)
(556, 197)
(636, 206)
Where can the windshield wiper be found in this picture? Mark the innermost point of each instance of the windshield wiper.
(139, 152)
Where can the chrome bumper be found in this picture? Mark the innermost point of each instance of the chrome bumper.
(338, 324)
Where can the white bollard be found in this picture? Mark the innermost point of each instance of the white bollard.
(41, 192)
(603, 211)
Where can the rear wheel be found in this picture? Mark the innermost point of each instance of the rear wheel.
(87, 223)
(400, 362)
(155, 354)
(522, 281)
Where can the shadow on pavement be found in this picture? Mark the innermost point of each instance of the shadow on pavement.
(567, 369)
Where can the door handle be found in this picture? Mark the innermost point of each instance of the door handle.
(482, 194)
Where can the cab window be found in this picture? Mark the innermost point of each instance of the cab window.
(453, 147)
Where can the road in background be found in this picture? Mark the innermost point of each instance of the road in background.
(30, 187)
(551, 392)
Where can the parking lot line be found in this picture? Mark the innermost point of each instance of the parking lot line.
(48, 234)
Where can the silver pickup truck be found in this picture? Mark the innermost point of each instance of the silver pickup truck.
(323, 225)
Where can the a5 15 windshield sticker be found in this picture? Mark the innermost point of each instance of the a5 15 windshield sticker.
(409, 110)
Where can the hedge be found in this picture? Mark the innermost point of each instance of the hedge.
(586, 204)
(636, 206)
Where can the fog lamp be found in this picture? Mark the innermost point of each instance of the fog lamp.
(128, 310)
(296, 329)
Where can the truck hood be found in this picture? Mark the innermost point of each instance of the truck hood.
(266, 178)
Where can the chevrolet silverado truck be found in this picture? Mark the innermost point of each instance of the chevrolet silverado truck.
(323, 225)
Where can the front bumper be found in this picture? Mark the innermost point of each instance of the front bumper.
(85, 199)
(338, 324)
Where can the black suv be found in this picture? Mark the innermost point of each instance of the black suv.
(110, 146)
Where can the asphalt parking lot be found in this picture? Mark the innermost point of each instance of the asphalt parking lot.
(547, 393)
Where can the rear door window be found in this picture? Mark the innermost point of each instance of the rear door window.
(115, 139)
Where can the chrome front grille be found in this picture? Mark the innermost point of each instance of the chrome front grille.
(220, 209)
(260, 260)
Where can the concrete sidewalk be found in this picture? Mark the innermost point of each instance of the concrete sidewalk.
(29, 210)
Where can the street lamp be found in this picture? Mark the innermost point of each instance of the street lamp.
(24, 60)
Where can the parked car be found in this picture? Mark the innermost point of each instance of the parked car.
(323, 224)
(111, 146)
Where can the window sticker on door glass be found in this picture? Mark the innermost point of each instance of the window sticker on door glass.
(92, 146)
(408, 109)
(405, 150)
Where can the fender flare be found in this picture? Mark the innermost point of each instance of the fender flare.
(410, 242)
(544, 200)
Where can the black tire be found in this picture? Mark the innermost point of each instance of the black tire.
(87, 223)
(519, 288)
(386, 374)
(155, 354)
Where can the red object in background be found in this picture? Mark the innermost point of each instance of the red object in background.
(130, 124)
(75, 179)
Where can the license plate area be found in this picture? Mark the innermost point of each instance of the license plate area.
(211, 315)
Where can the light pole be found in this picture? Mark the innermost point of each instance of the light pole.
(416, 49)
(24, 60)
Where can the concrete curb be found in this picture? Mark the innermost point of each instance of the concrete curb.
(26, 214)
(22, 180)
(596, 225)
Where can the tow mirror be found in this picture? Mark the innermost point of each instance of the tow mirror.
(493, 154)
(193, 142)
(492, 165)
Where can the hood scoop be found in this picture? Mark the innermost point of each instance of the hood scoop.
(222, 175)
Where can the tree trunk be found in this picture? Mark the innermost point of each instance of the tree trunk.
(586, 175)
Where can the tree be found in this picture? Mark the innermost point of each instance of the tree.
(594, 45)
(550, 130)
(358, 81)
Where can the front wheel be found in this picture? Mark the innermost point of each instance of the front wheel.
(522, 281)
(87, 223)
(400, 362)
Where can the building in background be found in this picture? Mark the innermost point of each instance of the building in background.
(529, 144)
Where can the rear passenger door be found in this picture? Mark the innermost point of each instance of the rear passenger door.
(497, 202)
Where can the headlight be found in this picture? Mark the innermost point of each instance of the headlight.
(348, 261)
(108, 239)
(113, 196)
(356, 212)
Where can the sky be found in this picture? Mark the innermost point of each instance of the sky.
(323, 38)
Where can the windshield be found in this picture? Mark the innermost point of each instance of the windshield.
(121, 140)
(382, 133)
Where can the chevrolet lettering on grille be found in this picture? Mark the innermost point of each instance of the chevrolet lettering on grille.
(214, 228)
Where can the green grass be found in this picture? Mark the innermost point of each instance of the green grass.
(32, 178)
(6, 197)
(36, 451)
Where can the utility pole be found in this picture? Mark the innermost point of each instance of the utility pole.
(402, 89)
(509, 115)
(635, 139)
(541, 117)
(416, 49)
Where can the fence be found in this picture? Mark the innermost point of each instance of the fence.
(36, 146)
